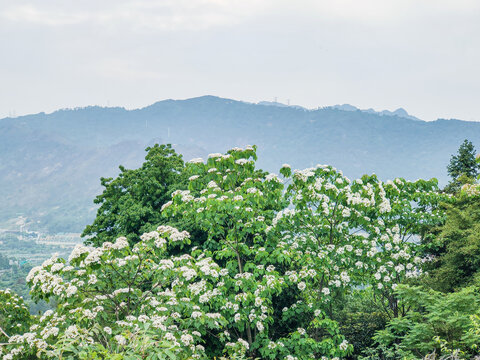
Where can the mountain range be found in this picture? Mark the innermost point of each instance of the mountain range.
(51, 163)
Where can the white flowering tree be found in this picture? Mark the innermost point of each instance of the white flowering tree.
(360, 233)
(122, 301)
(237, 204)
(260, 286)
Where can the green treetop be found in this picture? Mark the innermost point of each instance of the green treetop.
(130, 204)
(462, 166)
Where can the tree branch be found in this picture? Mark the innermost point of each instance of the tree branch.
(4, 333)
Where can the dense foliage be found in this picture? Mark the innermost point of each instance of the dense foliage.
(309, 264)
(130, 204)
(456, 247)
(14, 315)
(435, 323)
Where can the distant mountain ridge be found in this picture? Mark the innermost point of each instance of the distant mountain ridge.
(400, 112)
(51, 163)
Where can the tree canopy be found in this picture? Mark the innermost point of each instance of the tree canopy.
(130, 204)
(462, 164)
(456, 247)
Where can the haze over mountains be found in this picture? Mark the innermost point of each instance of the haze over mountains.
(51, 163)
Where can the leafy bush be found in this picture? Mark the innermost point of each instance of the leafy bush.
(437, 322)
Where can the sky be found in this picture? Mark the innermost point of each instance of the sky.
(423, 56)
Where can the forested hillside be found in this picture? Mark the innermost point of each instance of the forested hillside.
(51, 163)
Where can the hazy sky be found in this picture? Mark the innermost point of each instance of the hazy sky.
(423, 55)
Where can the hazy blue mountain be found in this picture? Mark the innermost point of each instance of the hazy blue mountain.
(399, 112)
(51, 163)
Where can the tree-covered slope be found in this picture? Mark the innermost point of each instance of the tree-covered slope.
(50, 164)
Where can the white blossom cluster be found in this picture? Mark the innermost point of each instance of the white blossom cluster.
(334, 214)
(471, 190)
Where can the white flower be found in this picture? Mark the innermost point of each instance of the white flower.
(260, 326)
(212, 184)
(301, 286)
(272, 177)
(243, 343)
(385, 206)
(57, 267)
(241, 161)
(107, 330)
(71, 332)
(186, 339)
(143, 318)
(120, 340)
(120, 243)
(345, 278)
(77, 252)
(270, 268)
(167, 204)
(196, 314)
(89, 314)
(71, 290)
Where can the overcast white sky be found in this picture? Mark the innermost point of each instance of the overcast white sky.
(422, 55)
